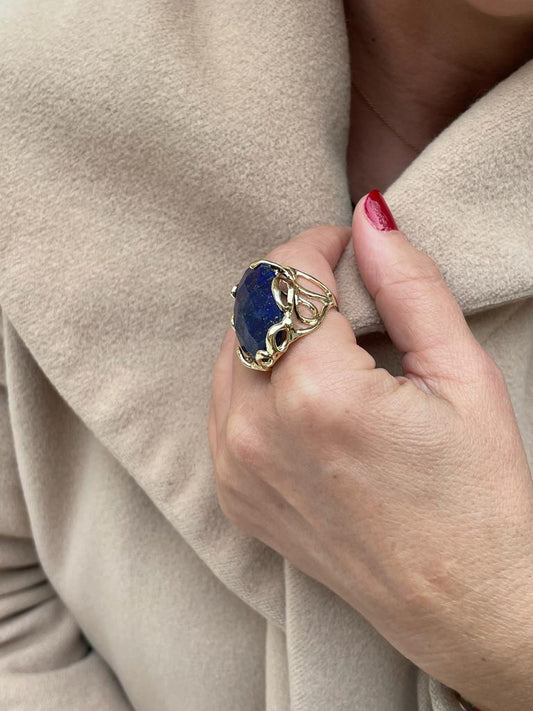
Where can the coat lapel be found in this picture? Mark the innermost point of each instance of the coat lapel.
(466, 200)
(150, 154)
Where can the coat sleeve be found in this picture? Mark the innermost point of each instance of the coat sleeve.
(46, 664)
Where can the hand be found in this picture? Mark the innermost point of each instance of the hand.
(410, 497)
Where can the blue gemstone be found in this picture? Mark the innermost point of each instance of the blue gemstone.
(255, 309)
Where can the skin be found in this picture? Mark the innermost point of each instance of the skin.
(410, 497)
(504, 8)
(401, 51)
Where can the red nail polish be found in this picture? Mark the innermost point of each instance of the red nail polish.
(378, 212)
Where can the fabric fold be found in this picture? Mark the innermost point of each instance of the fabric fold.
(151, 151)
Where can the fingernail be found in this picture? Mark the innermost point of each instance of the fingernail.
(378, 212)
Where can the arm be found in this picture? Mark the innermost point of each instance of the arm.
(45, 662)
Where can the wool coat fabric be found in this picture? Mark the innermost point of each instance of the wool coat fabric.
(150, 150)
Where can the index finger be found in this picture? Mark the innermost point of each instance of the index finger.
(317, 252)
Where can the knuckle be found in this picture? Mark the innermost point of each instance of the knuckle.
(311, 402)
(315, 237)
(302, 397)
(283, 253)
(224, 502)
(489, 371)
(224, 478)
(375, 384)
(228, 488)
(425, 268)
(428, 266)
(231, 511)
(413, 274)
(326, 233)
(243, 440)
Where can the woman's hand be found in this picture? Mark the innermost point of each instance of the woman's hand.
(411, 496)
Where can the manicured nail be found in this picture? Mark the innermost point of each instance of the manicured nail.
(378, 212)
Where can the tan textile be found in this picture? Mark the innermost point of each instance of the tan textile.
(149, 151)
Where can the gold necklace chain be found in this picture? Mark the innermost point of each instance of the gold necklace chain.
(385, 122)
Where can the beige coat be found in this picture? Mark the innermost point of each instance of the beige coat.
(150, 149)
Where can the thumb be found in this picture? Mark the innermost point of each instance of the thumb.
(421, 316)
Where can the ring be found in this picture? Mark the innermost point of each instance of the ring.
(272, 309)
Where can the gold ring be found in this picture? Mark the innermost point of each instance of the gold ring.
(272, 309)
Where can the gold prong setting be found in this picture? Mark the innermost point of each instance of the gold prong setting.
(274, 309)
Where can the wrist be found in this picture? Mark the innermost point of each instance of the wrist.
(475, 634)
(492, 669)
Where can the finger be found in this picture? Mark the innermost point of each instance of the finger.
(233, 386)
(249, 387)
(419, 312)
(222, 384)
(212, 435)
(317, 252)
(319, 248)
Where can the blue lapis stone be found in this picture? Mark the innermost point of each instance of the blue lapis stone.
(255, 309)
